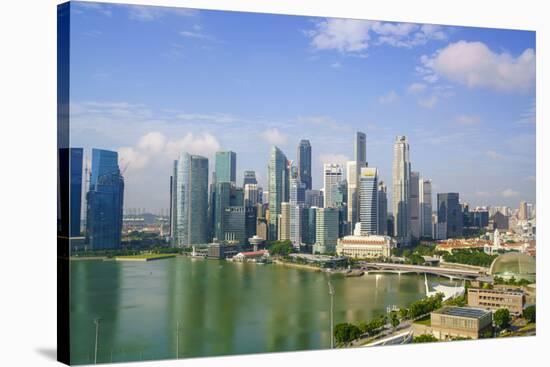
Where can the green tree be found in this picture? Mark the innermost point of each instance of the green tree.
(501, 318)
(344, 333)
(394, 320)
(530, 313)
(425, 338)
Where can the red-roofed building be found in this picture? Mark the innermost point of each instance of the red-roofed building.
(251, 256)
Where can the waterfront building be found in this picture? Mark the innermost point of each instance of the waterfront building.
(365, 247)
(249, 177)
(250, 194)
(191, 198)
(353, 202)
(234, 225)
(297, 205)
(401, 172)
(314, 198)
(104, 201)
(304, 163)
(251, 256)
(75, 160)
(456, 322)
(278, 181)
(284, 222)
(450, 213)
(382, 209)
(495, 299)
(309, 225)
(230, 213)
(250, 220)
(481, 217)
(262, 228)
(332, 176)
(414, 204)
(425, 196)
(368, 193)
(226, 167)
(173, 206)
(326, 230)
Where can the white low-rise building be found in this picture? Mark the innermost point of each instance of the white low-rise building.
(364, 247)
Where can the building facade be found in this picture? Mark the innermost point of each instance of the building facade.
(401, 172)
(449, 212)
(365, 247)
(304, 163)
(414, 204)
(494, 299)
(278, 181)
(368, 208)
(332, 176)
(382, 209)
(326, 230)
(426, 230)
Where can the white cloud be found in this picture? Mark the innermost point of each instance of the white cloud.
(468, 120)
(416, 88)
(390, 97)
(274, 136)
(340, 159)
(494, 155)
(428, 102)
(336, 65)
(529, 116)
(203, 117)
(81, 6)
(355, 36)
(153, 142)
(509, 193)
(473, 64)
(149, 13)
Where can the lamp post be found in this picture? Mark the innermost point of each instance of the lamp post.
(331, 293)
(96, 322)
(178, 340)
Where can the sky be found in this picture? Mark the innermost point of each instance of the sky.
(154, 82)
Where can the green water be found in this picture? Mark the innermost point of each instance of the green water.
(222, 307)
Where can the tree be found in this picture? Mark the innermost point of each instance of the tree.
(394, 320)
(501, 318)
(344, 332)
(530, 313)
(425, 338)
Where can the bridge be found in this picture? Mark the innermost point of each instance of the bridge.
(450, 273)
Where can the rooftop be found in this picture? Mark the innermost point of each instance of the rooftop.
(469, 312)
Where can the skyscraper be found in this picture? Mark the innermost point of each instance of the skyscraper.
(368, 191)
(249, 178)
(297, 205)
(191, 200)
(284, 222)
(426, 208)
(414, 204)
(76, 155)
(351, 176)
(332, 176)
(314, 198)
(226, 167)
(523, 213)
(304, 163)
(401, 177)
(382, 209)
(250, 194)
(449, 213)
(309, 225)
(360, 147)
(326, 230)
(278, 188)
(229, 223)
(105, 200)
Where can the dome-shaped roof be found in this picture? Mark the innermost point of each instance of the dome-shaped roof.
(514, 264)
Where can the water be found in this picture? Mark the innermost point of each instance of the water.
(222, 308)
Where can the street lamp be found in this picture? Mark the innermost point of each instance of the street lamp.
(96, 322)
(178, 340)
(331, 292)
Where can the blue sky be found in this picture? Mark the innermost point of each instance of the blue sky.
(153, 82)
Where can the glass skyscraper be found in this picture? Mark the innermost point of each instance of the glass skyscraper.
(401, 177)
(368, 190)
(191, 200)
(278, 182)
(304, 163)
(449, 213)
(226, 167)
(104, 201)
(76, 155)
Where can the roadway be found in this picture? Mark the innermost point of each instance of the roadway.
(435, 270)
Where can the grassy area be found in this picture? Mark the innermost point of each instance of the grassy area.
(426, 320)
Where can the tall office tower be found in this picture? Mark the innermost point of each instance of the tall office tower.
(353, 203)
(332, 175)
(449, 212)
(401, 177)
(530, 210)
(326, 230)
(105, 200)
(426, 208)
(260, 195)
(368, 208)
(304, 163)
(314, 198)
(382, 209)
(309, 226)
(173, 206)
(234, 224)
(284, 222)
(230, 213)
(261, 221)
(226, 167)
(249, 178)
(360, 148)
(75, 158)
(191, 200)
(414, 204)
(250, 221)
(297, 204)
(297, 192)
(278, 188)
(523, 213)
(250, 194)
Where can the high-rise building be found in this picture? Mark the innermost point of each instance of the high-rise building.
(251, 194)
(332, 175)
(234, 225)
(284, 222)
(304, 163)
(426, 208)
(191, 199)
(401, 177)
(314, 198)
(226, 167)
(414, 204)
(353, 203)
(297, 204)
(249, 178)
(75, 157)
(450, 213)
(278, 181)
(309, 225)
(360, 147)
(382, 209)
(105, 200)
(368, 208)
(326, 230)
(523, 213)
(230, 213)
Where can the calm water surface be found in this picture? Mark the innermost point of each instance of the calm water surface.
(222, 307)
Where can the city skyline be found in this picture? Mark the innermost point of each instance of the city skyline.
(450, 122)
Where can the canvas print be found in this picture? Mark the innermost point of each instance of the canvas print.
(233, 183)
